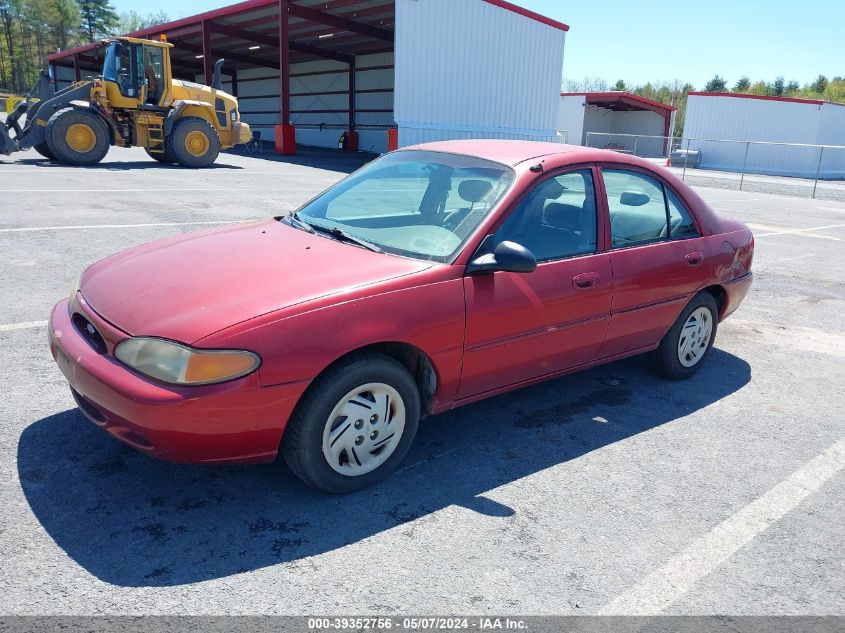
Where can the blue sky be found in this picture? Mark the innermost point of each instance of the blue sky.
(690, 41)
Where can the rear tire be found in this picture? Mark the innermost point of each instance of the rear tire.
(684, 348)
(329, 447)
(42, 149)
(162, 157)
(77, 137)
(193, 143)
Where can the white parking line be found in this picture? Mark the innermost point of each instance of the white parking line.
(116, 226)
(775, 230)
(29, 325)
(666, 584)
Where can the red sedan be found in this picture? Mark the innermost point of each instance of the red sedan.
(435, 276)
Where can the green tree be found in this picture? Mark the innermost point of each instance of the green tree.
(792, 87)
(131, 21)
(778, 87)
(717, 84)
(743, 84)
(819, 84)
(620, 85)
(98, 18)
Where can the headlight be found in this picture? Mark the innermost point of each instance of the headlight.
(182, 365)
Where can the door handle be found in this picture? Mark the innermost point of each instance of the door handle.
(694, 259)
(585, 281)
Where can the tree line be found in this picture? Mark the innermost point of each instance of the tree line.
(33, 29)
(675, 92)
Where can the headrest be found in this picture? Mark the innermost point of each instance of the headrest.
(563, 216)
(633, 199)
(474, 190)
(549, 189)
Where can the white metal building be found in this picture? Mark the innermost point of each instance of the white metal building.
(426, 69)
(615, 119)
(792, 123)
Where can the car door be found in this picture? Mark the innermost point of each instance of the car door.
(521, 326)
(657, 256)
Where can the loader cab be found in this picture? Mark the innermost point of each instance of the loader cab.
(136, 72)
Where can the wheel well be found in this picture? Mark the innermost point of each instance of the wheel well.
(415, 360)
(719, 296)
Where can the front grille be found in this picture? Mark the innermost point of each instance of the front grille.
(87, 331)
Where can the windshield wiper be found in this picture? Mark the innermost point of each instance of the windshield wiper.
(340, 234)
(294, 218)
(337, 233)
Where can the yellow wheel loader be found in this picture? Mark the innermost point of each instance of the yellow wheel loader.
(135, 102)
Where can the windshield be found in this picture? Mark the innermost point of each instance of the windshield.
(416, 203)
(115, 62)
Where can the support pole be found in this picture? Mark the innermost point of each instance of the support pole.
(207, 59)
(818, 171)
(744, 162)
(351, 135)
(285, 133)
(234, 75)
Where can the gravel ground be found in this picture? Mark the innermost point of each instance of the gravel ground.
(564, 498)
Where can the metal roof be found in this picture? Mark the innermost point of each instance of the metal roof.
(247, 33)
(621, 101)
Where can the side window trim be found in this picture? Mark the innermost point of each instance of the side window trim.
(666, 188)
(683, 207)
(600, 208)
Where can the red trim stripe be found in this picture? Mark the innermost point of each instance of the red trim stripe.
(740, 95)
(528, 14)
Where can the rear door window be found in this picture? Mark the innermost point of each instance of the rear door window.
(642, 210)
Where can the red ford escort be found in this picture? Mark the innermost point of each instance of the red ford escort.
(435, 276)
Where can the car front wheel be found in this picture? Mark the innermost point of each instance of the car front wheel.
(686, 345)
(354, 425)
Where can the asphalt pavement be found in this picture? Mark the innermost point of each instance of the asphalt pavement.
(608, 491)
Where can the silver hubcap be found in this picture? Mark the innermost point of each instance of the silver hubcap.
(364, 429)
(695, 337)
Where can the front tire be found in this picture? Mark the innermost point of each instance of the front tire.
(193, 143)
(77, 137)
(42, 149)
(354, 425)
(684, 348)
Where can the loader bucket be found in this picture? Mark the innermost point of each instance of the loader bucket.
(7, 144)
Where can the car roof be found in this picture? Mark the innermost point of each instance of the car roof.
(511, 152)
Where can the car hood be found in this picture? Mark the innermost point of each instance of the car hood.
(189, 286)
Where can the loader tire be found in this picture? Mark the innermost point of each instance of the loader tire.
(162, 157)
(77, 137)
(42, 149)
(193, 142)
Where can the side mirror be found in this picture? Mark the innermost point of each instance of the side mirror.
(508, 257)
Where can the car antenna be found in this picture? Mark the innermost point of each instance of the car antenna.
(538, 168)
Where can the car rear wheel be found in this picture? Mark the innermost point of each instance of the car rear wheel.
(684, 348)
(354, 425)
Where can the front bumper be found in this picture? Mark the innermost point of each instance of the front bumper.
(237, 421)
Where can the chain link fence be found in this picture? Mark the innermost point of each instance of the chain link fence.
(781, 168)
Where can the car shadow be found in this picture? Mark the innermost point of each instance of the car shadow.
(133, 521)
